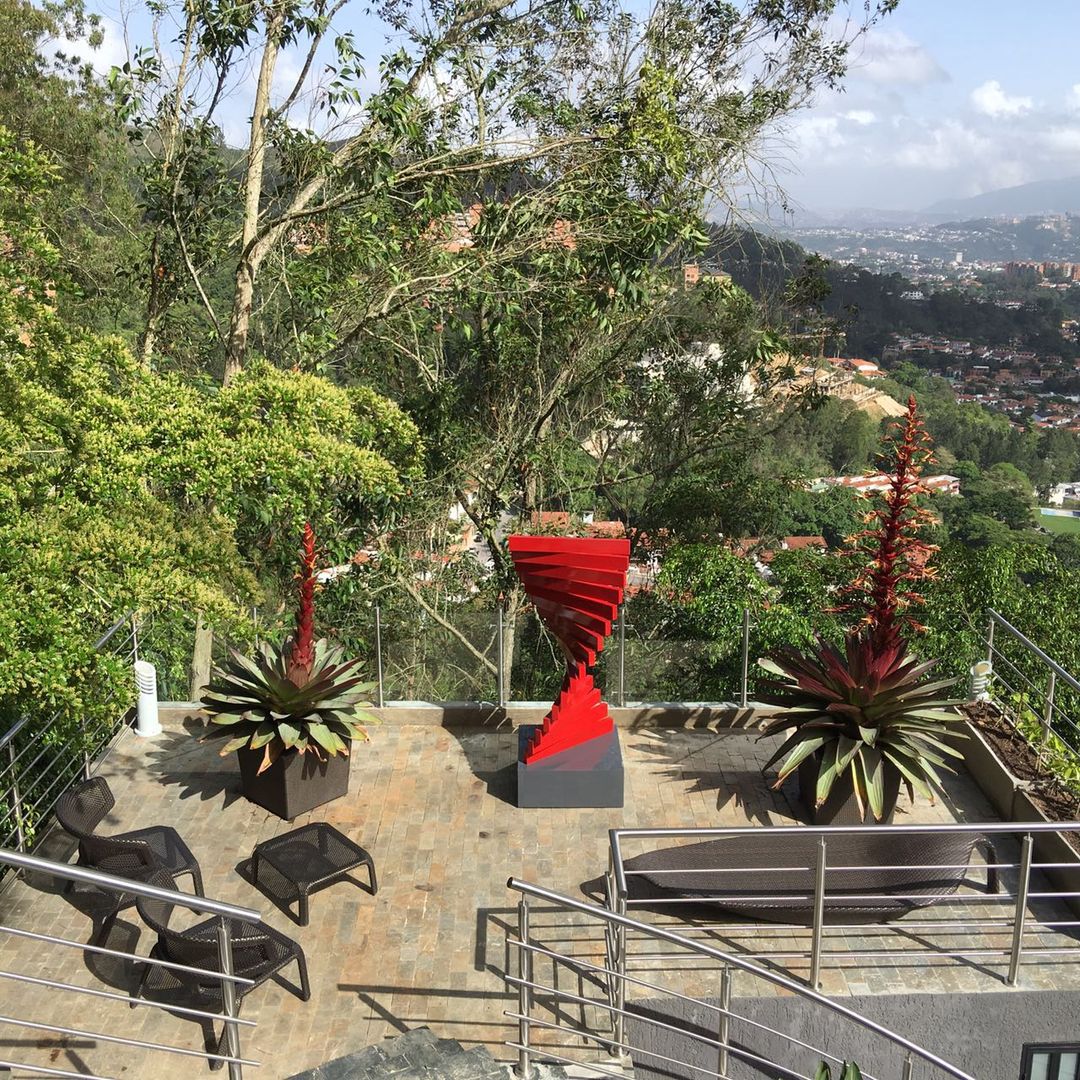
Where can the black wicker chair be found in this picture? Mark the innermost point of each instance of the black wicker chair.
(258, 951)
(137, 855)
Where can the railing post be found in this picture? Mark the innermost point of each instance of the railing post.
(228, 999)
(724, 1028)
(135, 636)
(500, 659)
(909, 1067)
(1020, 914)
(85, 748)
(622, 659)
(16, 797)
(819, 916)
(1048, 711)
(524, 1069)
(379, 696)
(990, 640)
(744, 689)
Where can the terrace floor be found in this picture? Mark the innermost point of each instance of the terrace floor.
(435, 808)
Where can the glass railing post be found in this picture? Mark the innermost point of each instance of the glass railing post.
(622, 660)
(16, 798)
(380, 698)
(744, 692)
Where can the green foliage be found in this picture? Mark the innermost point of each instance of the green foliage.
(262, 704)
(848, 1071)
(123, 488)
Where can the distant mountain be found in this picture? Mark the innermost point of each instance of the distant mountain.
(1040, 197)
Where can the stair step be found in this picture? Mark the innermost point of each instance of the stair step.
(416, 1055)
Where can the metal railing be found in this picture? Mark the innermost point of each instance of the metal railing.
(1037, 697)
(1016, 934)
(38, 763)
(693, 1035)
(229, 1016)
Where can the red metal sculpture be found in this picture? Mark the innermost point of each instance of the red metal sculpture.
(577, 586)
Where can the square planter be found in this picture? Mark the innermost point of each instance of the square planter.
(841, 807)
(295, 783)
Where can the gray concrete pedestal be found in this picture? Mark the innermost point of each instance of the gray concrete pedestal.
(589, 774)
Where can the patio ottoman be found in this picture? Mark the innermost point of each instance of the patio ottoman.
(309, 859)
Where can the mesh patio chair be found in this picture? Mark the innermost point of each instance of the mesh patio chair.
(137, 855)
(258, 952)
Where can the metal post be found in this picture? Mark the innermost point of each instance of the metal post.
(379, 698)
(228, 999)
(1048, 711)
(743, 694)
(524, 1069)
(622, 659)
(16, 797)
(724, 1029)
(618, 1017)
(990, 640)
(85, 748)
(909, 1067)
(819, 916)
(135, 635)
(1020, 914)
(500, 673)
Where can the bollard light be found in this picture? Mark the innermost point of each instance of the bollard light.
(980, 680)
(148, 724)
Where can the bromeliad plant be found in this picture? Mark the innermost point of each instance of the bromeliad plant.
(300, 696)
(867, 713)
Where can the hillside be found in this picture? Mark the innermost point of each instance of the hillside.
(1040, 197)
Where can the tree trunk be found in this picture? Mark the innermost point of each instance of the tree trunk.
(201, 657)
(251, 252)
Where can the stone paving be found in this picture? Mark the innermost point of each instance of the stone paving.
(435, 809)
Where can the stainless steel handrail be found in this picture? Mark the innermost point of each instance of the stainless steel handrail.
(611, 918)
(126, 885)
(1053, 665)
(225, 914)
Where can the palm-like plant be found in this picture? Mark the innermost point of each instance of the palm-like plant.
(868, 711)
(301, 696)
(862, 710)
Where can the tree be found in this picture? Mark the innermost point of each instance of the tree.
(126, 489)
(516, 107)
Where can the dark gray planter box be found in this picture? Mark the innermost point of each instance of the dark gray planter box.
(841, 807)
(295, 783)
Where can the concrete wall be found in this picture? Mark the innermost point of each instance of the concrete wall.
(983, 1034)
(478, 714)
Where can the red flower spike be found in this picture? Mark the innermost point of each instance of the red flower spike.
(302, 653)
(895, 557)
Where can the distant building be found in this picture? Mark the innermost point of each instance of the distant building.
(867, 485)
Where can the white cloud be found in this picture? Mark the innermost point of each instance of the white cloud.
(1062, 140)
(948, 145)
(862, 117)
(1072, 98)
(890, 56)
(812, 135)
(112, 52)
(991, 100)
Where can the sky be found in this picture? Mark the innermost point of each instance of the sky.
(944, 99)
